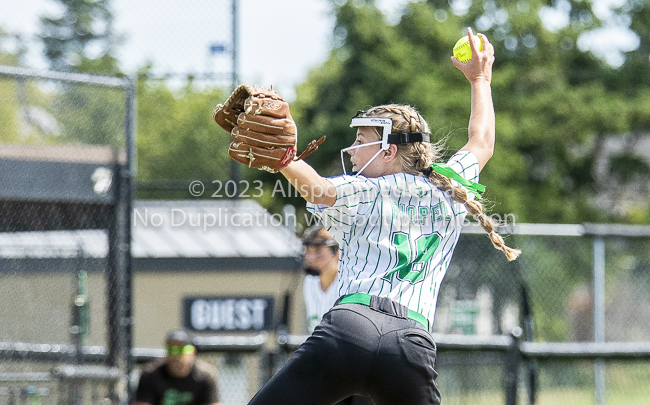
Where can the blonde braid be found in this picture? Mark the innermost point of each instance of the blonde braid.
(475, 209)
(416, 157)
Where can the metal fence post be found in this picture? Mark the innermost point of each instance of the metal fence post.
(234, 166)
(599, 317)
(528, 327)
(131, 120)
(512, 363)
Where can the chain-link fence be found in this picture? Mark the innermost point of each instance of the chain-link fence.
(184, 53)
(65, 229)
(553, 281)
(194, 64)
(64, 269)
(53, 383)
(572, 283)
(567, 278)
(64, 274)
(239, 376)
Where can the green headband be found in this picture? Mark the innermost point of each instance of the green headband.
(174, 350)
(446, 170)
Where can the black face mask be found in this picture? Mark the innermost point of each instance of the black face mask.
(312, 271)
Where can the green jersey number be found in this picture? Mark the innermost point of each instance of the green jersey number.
(412, 258)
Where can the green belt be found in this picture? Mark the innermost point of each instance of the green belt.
(364, 299)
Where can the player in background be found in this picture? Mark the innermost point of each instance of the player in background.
(320, 261)
(320, 288)
(397, 221)
(180, 379)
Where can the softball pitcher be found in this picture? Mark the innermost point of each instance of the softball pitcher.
(397, 219)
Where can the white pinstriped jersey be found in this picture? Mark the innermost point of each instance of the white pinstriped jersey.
(397, 234)
(317, 301)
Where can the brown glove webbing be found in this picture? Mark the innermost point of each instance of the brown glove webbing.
(311, 147)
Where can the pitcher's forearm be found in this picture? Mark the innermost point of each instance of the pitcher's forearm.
(312, 186)
(481, 128)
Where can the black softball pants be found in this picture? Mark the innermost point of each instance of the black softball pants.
(372, 351)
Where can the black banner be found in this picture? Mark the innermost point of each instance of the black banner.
(213, 314)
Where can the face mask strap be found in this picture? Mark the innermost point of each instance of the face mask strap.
(370, 161)
(360, 145)
(356, 147)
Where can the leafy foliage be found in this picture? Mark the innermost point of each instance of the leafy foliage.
(555, 104)
(84, 27)
(559, 108)
(177, 139)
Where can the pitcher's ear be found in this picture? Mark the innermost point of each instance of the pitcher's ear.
(390, 153)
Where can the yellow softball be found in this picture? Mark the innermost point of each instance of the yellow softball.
(462, 50)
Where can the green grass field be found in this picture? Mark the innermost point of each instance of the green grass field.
(563, 396)
(559, 383)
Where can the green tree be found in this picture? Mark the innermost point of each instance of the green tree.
(556, 105)
(82, 38)
(635, 73)
(8, 106)
(24, 106)
(177, 140)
